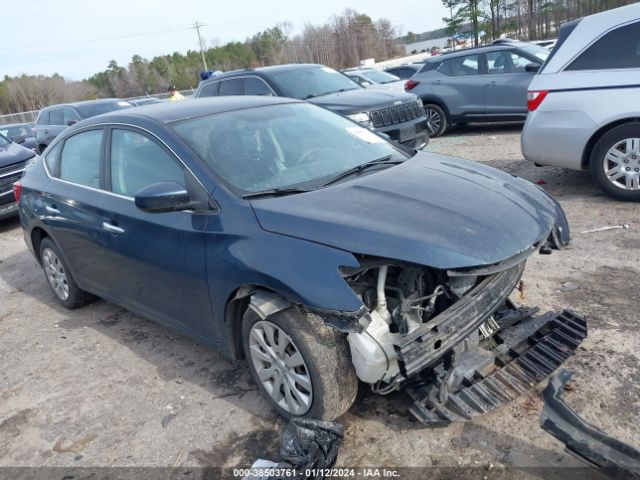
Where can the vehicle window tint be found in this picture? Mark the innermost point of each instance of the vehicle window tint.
(256, 86)
(462, 66)
(232, 87)
(505, 61)
(619, 48)
(137, 162)
(210, 90)
(445, 68)
(80, 158)
(53, 159)
(56, 117)
(43, 118)
(402, 72)
(69, 116)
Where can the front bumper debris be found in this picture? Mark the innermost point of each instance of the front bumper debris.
(615, 459)
(531, 350)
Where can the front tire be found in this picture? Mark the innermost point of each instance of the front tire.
(436, 119)
(302, 366)
(615, 162)
(59, 277)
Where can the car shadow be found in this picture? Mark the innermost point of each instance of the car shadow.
(483, 128)
(8, 224)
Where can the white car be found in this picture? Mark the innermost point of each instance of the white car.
(584, 104)
(372, 78)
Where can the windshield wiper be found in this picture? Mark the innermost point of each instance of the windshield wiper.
(386, 160)
(273, 192)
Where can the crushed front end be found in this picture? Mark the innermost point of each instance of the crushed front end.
(453, 339)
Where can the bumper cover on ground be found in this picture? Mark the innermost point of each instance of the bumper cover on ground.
(615, 459)
(531, 351)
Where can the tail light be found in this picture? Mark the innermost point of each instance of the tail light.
(17, 189)
(410, 84)
(535, 98)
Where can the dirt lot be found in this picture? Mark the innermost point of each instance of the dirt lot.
(102, 387)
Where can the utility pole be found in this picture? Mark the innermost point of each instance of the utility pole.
(197, 27)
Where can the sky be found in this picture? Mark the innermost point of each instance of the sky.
(77, 38)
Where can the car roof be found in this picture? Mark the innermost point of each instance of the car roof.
(170, 112)
(260, 70)
(84, 102)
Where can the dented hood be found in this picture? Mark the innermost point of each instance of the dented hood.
(434, 210)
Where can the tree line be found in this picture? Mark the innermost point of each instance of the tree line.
(520, 19)
(341, 42)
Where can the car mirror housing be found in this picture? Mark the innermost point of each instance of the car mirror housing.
(19, 138)
(163, 197)
(532, 67)
(71, 122)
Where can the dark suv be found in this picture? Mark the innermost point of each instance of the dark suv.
(399, 115)
(486, 84)
(54, 119)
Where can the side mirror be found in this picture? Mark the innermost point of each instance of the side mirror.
(18, 138)
(532, 67)
(366, 84)
(163, 197)
(71, 122)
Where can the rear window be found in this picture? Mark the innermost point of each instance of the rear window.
(619, 48)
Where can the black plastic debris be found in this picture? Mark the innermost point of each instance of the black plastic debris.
(613, 458)
(308, 447)
(311, 444)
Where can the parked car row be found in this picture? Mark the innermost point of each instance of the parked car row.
(395, 113)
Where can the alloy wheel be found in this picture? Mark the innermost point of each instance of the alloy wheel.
(280, 367)
(621, 164)
(56, 275)
(434, 121)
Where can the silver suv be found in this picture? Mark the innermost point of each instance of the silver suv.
(584, 105)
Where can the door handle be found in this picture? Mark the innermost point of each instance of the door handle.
(493, 84)
(437, 82)
(51, 209)
(112, 228)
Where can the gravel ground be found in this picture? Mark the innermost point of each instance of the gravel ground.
(102, 387)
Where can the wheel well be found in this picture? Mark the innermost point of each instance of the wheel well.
(586, 154)
(234, 313)
(439, 104)
(37, 235)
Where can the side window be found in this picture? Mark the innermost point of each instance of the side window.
(209, 90)
(137, 162)
(256, 86)
(445, 68)
(69, 115)
(80, 158)
(43, 118)
(463, 66)
(356, 79)
(619, 48)
(505, 61)
(235, 86)
(56, 117)
(53, 159)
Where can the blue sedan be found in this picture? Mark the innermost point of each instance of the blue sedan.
(278, 231)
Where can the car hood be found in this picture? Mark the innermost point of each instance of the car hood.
(14, 153)
(433, 210)
(361, 99)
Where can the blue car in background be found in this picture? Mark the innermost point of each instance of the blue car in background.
(324, 254)
(13, 158)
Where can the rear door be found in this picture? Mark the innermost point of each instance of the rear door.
(506, 83)
(157, 260)
(73, 205)
(460, 86)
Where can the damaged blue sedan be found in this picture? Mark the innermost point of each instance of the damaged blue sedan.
(324, 254)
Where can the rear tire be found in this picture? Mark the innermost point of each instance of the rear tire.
(437, 121)
(328, 383)
(59, 277)
(614, 164)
